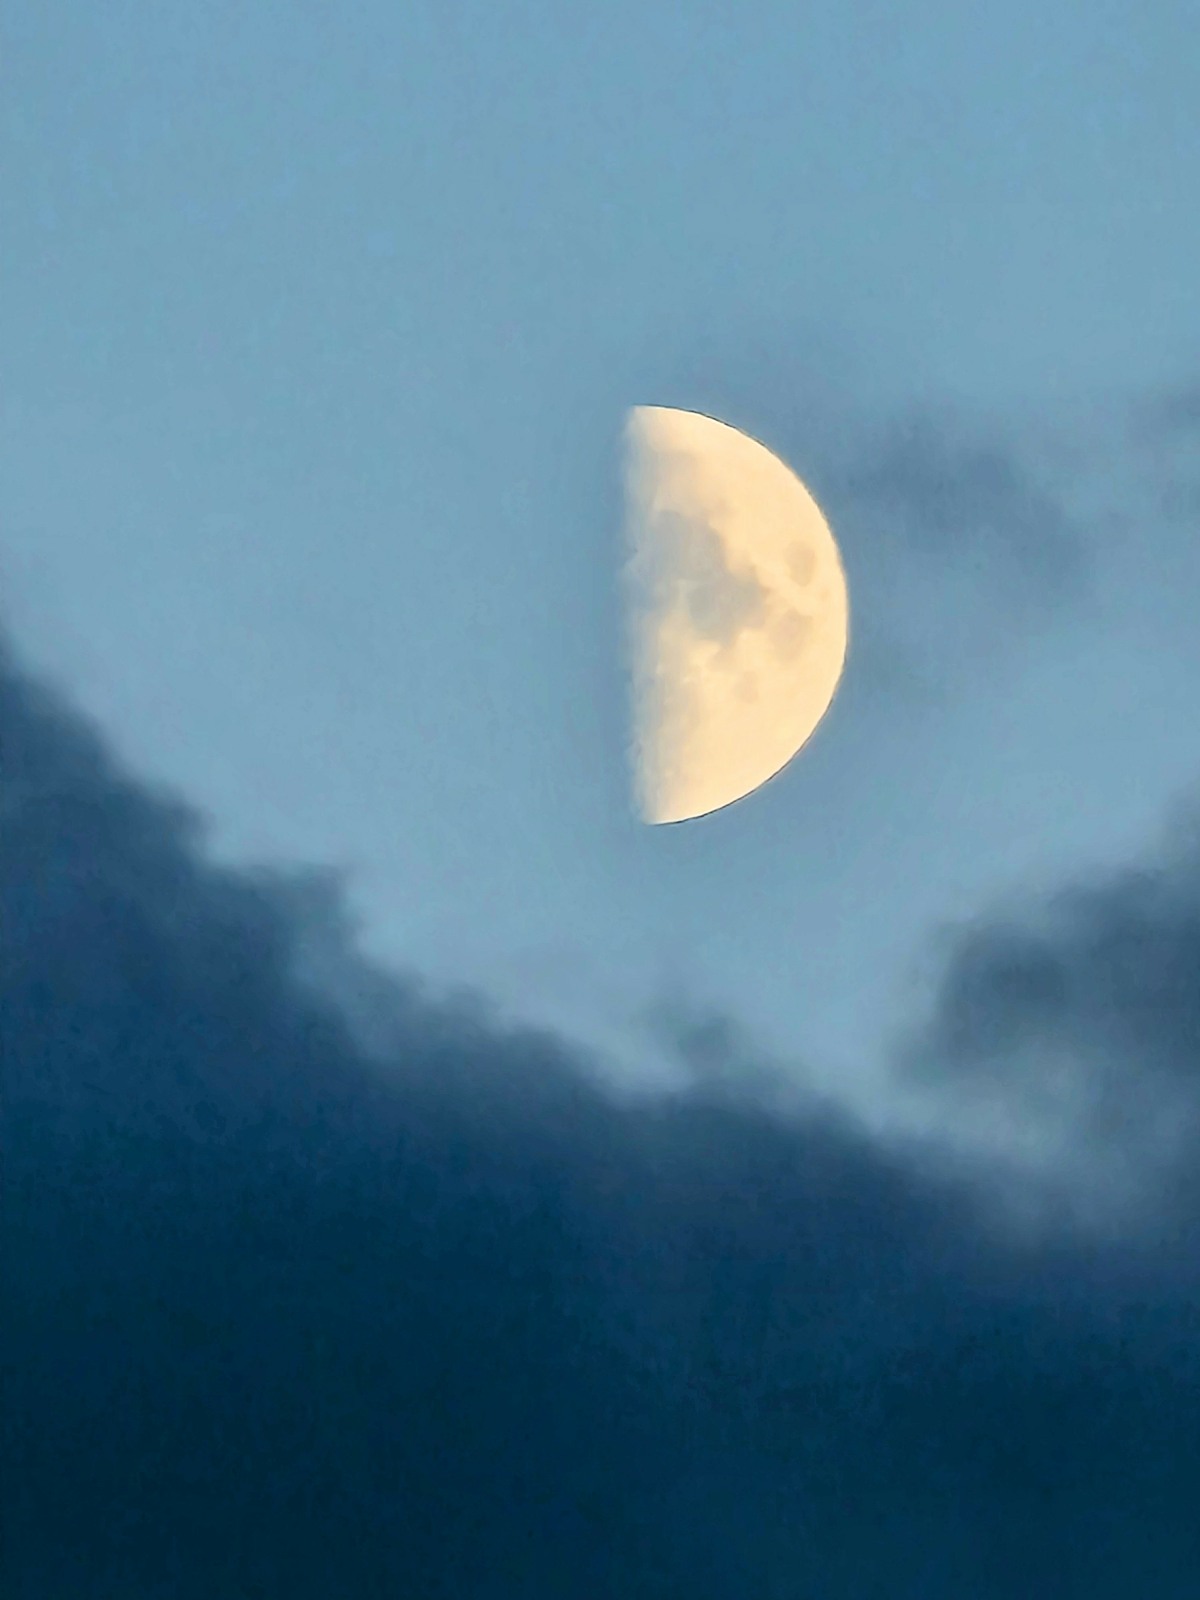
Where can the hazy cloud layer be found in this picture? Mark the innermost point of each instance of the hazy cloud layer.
(1082, 1014)
(288, 1322)
(968, 501)
(960, 544)
(1175, 413)
(1167, 429)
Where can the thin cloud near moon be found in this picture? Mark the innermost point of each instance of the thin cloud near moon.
(737, 613)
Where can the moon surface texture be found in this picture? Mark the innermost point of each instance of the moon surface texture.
(737, 615)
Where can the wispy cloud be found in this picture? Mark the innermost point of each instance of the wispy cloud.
(1080, 1014)
(1173, 414)
(962, 499)
(1164, 429)
(963, 542)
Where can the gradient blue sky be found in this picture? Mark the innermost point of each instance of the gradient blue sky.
(319, 327)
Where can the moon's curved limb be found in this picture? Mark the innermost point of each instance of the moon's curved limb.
(737, 614)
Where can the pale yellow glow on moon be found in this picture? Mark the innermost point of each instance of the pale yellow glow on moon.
(736, 608)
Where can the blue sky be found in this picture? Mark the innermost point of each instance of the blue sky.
(319, 332)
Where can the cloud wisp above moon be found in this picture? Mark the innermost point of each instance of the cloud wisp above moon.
(737, 613)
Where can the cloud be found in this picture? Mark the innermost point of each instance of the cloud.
(970, 501)
(959, 546)
(1165, 427)
(1172, 414)
(295, 1317)
(1082, 1014)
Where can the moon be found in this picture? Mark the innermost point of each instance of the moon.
(736, 609)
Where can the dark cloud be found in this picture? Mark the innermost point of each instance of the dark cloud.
(287, 1318)
(1165, 429)
(1171, 415)
(1083, 1013)
(968, 501)
(962, 542)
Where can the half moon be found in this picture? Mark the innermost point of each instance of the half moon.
(737, 615)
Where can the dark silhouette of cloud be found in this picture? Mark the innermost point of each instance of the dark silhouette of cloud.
(290, 1316)
(1083, 1013)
